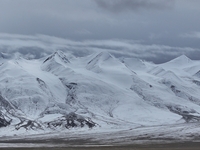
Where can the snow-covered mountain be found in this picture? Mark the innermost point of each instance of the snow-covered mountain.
(62, 91)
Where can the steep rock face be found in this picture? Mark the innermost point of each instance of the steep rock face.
(3, 121)
(5, 109)
(71, 120)
(4, 104)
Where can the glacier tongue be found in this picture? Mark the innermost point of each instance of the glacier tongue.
(57, 92)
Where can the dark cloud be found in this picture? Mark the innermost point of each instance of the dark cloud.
(134, 5)
(84, 20)
(91, 26)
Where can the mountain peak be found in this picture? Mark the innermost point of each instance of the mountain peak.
(182, 58)
(58, 54)
(55, 96)
(105, 54)
(4, 56)
(102, 56)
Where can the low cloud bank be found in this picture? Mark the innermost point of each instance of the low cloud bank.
(41, 45)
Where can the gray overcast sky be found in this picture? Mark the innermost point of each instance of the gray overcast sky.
(155, 30)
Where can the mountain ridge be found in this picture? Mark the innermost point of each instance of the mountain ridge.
(97, 91)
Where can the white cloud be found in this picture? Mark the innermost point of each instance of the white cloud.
(195, 34)
(41, 45)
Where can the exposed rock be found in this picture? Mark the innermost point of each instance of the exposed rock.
(72, 120)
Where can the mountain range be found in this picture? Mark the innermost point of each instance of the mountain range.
(61, 91)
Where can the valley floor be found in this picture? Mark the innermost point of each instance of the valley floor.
(171, 146)
(169, 137)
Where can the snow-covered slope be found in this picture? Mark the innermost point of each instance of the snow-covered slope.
(99, 90)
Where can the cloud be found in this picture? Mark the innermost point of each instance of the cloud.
(195, 34)
(134, 5)
(41, 45)
(91, 19)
